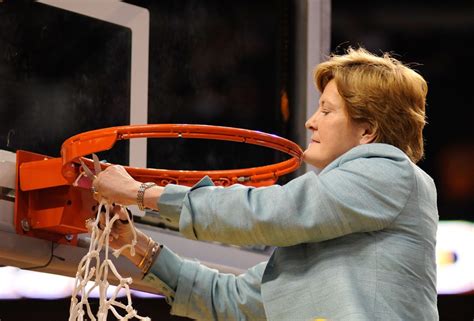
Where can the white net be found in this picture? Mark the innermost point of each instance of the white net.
(93, 272)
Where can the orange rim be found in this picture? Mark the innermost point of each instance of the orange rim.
(103, 139)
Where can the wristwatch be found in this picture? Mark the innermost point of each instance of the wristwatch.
(141, 194)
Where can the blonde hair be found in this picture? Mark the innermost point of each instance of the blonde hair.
(383, 92)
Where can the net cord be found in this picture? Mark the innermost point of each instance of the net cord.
(93, 272)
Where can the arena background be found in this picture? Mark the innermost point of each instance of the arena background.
(436, 37)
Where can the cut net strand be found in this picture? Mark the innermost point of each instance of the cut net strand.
(92, 273)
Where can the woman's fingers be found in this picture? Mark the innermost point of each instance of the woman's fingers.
(115, 185)
(120, 229)
(123, 213)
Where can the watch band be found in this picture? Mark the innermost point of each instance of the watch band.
(141, 194)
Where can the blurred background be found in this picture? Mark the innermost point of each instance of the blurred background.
(232, 64)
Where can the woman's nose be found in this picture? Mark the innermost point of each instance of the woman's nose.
(311, 122)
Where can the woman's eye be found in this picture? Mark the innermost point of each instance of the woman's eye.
(324, 112)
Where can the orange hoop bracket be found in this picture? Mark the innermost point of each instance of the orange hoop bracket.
(103, 139)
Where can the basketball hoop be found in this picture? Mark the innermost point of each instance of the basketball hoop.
(48, 206)
(103, 139)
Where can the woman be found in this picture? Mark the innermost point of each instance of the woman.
(354, 242)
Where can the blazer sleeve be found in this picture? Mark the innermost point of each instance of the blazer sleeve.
(364, 190)
(201, 293)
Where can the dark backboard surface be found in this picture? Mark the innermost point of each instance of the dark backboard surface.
(218, 63)
(61, 74)
(210, 62)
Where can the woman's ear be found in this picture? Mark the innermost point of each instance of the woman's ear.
(368, 133)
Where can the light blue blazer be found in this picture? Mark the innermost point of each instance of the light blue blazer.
(354, 242)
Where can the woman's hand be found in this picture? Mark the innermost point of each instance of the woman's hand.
(123, 233)
(116, 185)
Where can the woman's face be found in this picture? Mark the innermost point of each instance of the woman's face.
(333, 132)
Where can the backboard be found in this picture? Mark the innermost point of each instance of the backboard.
(89, 66)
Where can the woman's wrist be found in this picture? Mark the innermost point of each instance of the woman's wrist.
(133, 193)
(152, 252)
(146, 251)
(139, 248)
(152, 196)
